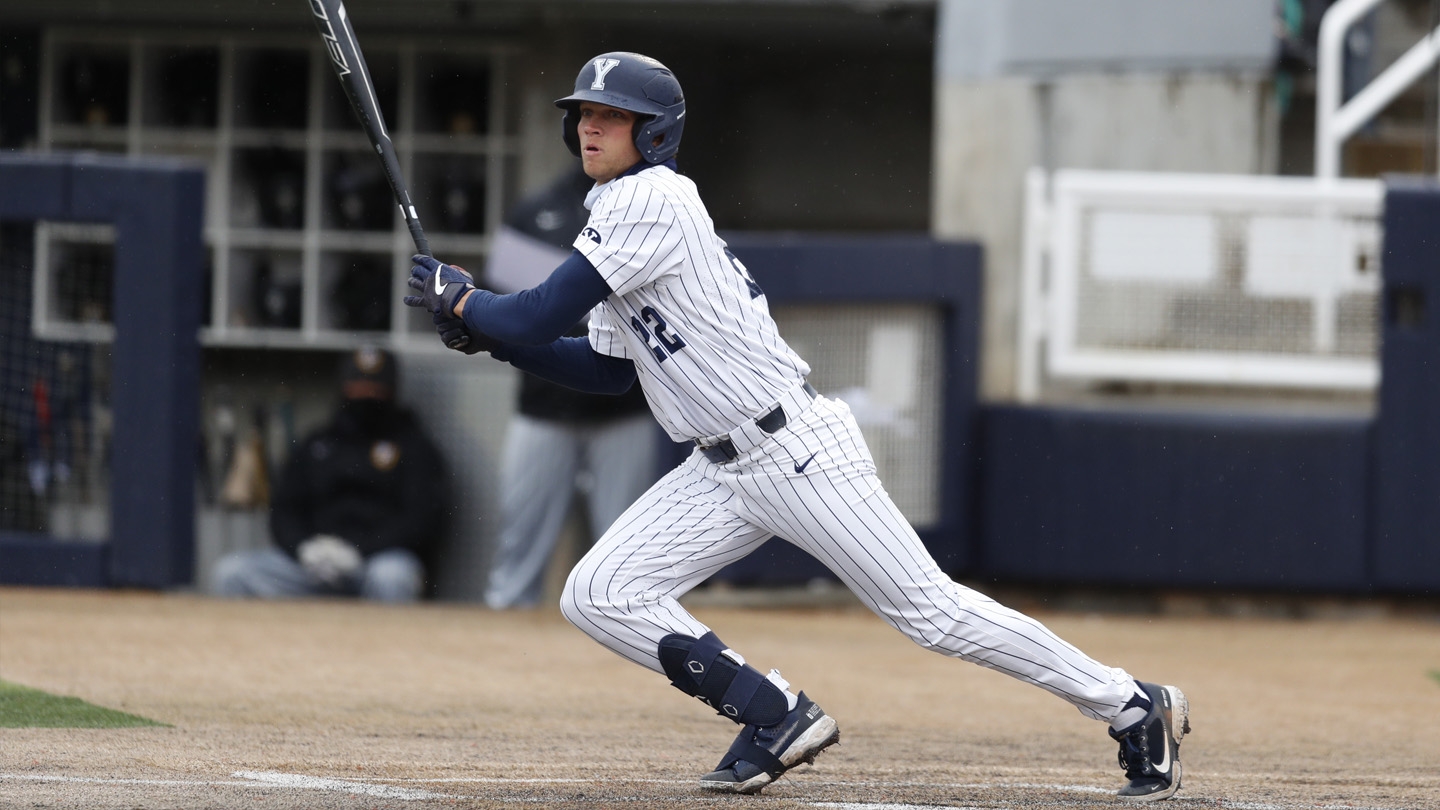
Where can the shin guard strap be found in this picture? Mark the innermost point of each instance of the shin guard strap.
(744, 748)
(700, 668)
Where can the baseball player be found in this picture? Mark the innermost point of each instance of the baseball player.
(670, 306)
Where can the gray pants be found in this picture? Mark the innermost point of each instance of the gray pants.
(544, 463)
(394, 575)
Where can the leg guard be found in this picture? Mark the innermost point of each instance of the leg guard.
(701, 668)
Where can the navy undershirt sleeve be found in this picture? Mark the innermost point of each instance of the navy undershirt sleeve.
(542, 313)
(530, 327)
(571, 362)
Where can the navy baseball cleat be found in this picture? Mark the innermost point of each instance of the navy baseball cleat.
(759, 756)
(1150, 749)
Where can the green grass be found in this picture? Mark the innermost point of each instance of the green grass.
(23, 707)
(1435, 674)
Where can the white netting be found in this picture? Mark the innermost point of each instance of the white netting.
(1210, 280)
(884, 361)
(1228, 282)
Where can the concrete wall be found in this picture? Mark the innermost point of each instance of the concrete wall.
(1162, 85)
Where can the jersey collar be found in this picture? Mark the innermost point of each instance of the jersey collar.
(643, 165)
(599, 188)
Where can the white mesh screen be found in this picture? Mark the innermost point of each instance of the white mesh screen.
(1228, 280)
(884, 361)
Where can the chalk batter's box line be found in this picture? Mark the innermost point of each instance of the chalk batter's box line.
(384, 788)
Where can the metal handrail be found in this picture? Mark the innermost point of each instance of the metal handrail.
(1335, 122)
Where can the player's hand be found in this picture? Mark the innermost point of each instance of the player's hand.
(441, 286)
(329, 559)
(455, 335)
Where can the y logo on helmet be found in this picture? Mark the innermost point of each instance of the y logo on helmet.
(602, 66)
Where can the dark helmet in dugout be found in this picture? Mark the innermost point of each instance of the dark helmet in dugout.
(636, 83)
(370, 367)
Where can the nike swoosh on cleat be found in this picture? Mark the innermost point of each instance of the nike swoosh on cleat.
(800, 468)
(1164, 766)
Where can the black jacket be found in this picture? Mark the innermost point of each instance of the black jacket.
(373, 479)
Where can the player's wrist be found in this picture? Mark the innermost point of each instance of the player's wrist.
(459, 309)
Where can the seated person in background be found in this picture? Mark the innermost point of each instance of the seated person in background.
(354, 512)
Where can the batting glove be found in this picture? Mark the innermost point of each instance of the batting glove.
(440, 285)
(455, 335)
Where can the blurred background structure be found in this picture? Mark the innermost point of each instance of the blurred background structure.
(1135, 180)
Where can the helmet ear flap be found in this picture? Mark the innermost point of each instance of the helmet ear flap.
(668, 129)
(570, 129)
(643, 133)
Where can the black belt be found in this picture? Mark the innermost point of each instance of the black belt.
(724, 450)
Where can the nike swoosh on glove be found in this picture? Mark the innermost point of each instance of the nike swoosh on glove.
(455, 335)
(440, 285)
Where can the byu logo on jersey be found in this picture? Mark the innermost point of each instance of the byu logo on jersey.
(602, 66)
(591, 234)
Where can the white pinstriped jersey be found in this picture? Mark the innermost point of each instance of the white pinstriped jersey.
(683, 308)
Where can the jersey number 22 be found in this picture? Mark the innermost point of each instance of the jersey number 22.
(653, 330)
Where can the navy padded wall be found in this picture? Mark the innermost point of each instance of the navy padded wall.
(1407, 448)
(1173, 499)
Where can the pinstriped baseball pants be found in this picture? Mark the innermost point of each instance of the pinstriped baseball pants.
(703, 516)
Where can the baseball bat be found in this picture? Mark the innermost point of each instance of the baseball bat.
(349, 64)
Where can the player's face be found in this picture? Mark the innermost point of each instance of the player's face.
(607, 141)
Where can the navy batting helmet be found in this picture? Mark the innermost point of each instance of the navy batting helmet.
(636, 83)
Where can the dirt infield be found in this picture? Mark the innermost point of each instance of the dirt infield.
(341, 705)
